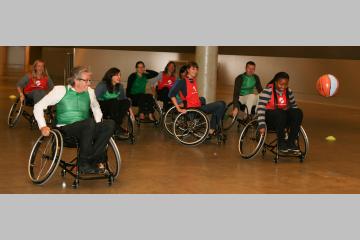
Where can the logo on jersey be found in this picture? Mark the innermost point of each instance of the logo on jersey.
(281, 100)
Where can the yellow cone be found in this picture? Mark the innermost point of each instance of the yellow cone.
(330, 138)
(12, 97)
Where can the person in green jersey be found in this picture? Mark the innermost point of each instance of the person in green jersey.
(73, 103)
(136, 90)
(244, 89)
(111, 95)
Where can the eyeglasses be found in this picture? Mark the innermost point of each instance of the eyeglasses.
(85, 80)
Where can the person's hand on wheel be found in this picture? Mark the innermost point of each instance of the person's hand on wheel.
(235, 112)
(262, 131)
(45, 131)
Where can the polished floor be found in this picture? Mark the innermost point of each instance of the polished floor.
(156, 163)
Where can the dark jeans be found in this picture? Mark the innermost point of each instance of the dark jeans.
(115, 109)
(36, 95)
(280, 119)
(162, 95)
(217, 110)
(93, 138)
(144, 101)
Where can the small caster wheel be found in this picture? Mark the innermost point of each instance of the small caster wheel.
(263, 152)
(111, 180)
(275, 160)
(63, 173)
(132, 140)
(301, 158)
(75, 184)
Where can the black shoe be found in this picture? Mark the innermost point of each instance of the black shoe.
(293, 148)
(88, 169)
(283, 147)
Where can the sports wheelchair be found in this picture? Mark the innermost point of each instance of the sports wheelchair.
(18, 109)
(251, 142)
(229, 119)
(158, 115)
(46, 156)
(190, 128)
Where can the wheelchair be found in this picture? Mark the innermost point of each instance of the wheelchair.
(46, 156)
(168, 120)
(158, 115)
(190, 128)
(18, 109)
(129, 126)
(251, 142)
(229, 119)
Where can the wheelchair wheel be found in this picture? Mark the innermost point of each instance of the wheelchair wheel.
(45, 157)
(15, 113)
(191, 128)
(113, 162)
(228, 118)
(303, 144)
(158, 114)
(128, 125)
(169, 119)
(251, 141)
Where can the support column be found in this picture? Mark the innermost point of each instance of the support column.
(207, 58)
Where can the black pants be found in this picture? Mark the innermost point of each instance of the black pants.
(36, 95)
(93, 138)
(144, 101)
(162, 95)
(280, 119)
(115, 109)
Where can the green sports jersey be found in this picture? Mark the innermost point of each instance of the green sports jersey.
(139, 85)
(73, 107)
(248, 85)
(109, 96)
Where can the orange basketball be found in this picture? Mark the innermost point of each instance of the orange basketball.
(327, 85)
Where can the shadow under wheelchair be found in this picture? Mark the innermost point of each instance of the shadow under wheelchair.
(47, 154)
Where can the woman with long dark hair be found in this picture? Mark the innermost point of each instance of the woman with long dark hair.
(111, 96)
(277, 108)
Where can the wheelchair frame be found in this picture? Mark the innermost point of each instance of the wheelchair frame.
(68, 167)
(271, 146)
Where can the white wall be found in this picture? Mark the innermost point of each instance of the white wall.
(303, 72)
(99, 61)
(16, 56)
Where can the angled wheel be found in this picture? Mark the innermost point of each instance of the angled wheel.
(113, 162)
(228, 119)
(169, 119)
(303, 143)
(158, 114)
(251, 141)
(45, 157)
(15, 112)
(191, 128)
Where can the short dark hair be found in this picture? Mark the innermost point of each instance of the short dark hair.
(250, 63)
(182, 70)
(139, 62)
(278, 76)
(192, 64)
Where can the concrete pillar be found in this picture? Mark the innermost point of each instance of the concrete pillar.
(207, 59)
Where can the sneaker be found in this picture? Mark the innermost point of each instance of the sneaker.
(283, 147)
(293, 148)
(89, 169)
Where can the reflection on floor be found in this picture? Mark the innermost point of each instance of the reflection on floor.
(156, 163)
